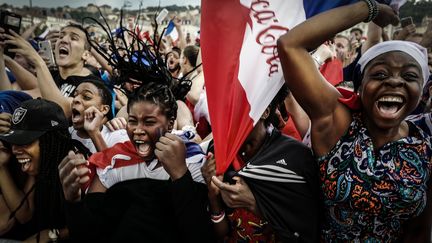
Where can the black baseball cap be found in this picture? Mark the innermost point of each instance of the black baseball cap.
(33, 119)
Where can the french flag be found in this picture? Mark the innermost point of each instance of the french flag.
(241, 64)
(171, 31)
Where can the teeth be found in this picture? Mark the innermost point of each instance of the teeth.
(22, 161)
(396, 99)
(139, 141)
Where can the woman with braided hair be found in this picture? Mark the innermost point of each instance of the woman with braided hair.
(149, 188)
(38, 140)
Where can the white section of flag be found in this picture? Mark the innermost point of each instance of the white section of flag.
(254, 71)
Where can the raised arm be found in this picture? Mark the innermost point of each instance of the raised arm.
(181, 37)
(374, 34)
(102, 61)
(4, 79)
(316, 96)
(427, 36)
(48, 87)
(25, 79)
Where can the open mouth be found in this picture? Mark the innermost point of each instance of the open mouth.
(25, 164)
(389, 105)
(63, 51)
(143, 148)
(76, 116)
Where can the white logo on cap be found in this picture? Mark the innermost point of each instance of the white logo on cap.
(8, 133)
(54, 123)
(18, 115)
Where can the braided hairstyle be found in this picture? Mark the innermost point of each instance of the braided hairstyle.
(139, 61)
(157, 94)
(49, 198)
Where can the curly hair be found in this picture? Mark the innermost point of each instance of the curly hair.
(137, 61)
(157, 94)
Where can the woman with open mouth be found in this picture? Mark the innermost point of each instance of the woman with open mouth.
(39, 140)
(149, 188)
(374, 164)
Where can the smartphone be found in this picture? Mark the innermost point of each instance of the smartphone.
(161, 16)
(45, 50)
(406, 21)
(10, 21)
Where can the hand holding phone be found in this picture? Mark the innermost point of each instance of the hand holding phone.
(45, 51)
(406, 21)
(10, 21)
(161, 16)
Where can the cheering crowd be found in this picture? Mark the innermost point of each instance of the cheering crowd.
(113, 141)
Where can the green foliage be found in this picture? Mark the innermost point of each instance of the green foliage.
(173, 8)
(79, 15)
(417, 10)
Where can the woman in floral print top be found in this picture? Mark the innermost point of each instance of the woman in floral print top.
(374, 165)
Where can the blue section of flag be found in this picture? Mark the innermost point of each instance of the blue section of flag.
(117, 32)
(314, 7)
(143, 59)
(170, 27)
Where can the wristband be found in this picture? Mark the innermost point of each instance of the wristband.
(373, 10)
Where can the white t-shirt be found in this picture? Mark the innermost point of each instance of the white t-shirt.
(110, 176)
(111, 138)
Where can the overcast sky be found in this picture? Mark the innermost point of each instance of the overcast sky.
(112, 3)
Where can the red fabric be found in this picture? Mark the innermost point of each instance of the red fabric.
(104, 158)
(227, 102)
(291, 130)
(92, 174)
(203, 128)
(332, 70)
(350, 99)
(146, 35)
(247, 227)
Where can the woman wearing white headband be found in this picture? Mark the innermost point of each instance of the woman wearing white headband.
(374, 165)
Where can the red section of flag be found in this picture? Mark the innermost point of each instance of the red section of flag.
(332, 70)
(223, 24)
(291, 130)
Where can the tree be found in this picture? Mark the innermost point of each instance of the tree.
(416, 9)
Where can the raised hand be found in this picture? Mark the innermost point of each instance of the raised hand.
(177, 22)
(171, 152)
(53, 36)
(93, 119)
(2, 44)
(116, 123)
(121, 98)
(73, 173)
(387, 15)
(5, 122)
(21, 46)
